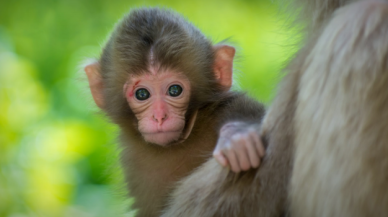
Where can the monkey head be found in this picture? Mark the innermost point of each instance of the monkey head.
(159, 100)
(156, 72)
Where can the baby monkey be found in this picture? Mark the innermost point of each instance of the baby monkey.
(167, 88)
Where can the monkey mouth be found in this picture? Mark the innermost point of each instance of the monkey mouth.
(162, 138)
(160, 131)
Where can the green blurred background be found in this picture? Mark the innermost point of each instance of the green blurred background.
(57, 154)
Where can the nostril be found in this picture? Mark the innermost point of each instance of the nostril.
(159, 119)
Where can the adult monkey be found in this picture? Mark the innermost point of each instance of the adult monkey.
(167, 88)
(331, 108)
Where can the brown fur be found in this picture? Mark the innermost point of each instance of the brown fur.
(333, 106)
(150, 170)
(128, 52)
(213, 191)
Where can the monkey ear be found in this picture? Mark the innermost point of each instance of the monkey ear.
(223, 64)
(95, 83)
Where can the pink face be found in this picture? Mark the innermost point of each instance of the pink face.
(159, 101)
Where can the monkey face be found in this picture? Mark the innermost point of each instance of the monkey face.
(159, 100)
(157, 96)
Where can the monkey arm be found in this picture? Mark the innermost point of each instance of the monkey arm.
(239, 145)
(214, 191)
(241, 108)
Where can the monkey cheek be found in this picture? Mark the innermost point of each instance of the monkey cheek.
(162, 138)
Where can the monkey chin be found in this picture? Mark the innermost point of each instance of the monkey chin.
(163, 139)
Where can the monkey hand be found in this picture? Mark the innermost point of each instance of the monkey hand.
(239, 147)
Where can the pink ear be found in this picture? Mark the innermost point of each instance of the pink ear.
(223, 64)
(95, 83)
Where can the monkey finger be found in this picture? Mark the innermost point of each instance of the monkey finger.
(241, 152)
(254, 158)
(220, 158)
(258, 144)
(232, 159)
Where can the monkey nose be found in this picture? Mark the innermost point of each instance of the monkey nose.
(159, 118)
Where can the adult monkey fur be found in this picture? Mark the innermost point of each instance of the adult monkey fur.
(167, 88)
(328, 124)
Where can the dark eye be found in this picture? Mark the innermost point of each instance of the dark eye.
(174, 90)
(142, 94)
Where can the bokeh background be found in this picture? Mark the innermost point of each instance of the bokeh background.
(57, 153)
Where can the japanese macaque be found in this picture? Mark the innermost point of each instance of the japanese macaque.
(341, 120)
(326, 131)
(167, 88)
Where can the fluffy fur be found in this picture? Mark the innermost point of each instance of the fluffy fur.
(341, 158)
(326, 129)
(150, 36)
